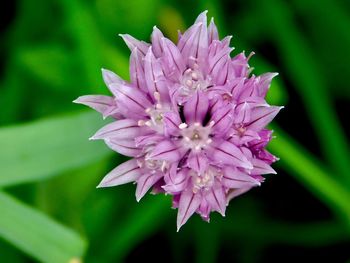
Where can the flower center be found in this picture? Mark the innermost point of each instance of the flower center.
(155, 114)
(152, 164)
(195, 137)
(193, 80)
(204, 180)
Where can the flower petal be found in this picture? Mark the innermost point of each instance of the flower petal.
(137, 73)
(204, 210)
(261, 116)
(217, 62)
(236, 192)
(147, 140)
(242, 113)
(145, 182)
(124, 173)
(265, 82)
(239, 138)
(261, 167)
(132, 43)
(193, 44)
(171, 122)
(132, 98)
(240, 65)
(156, 39)
(188, 204)
(230, 154)
(212, 32)
(110, 77)
(125, 147)
(198, 162)
(234, 178)
(122, 129)
(216, 198)
(155, 79)
(196, 108)
(223, 119)
(103, 104)
(166, 151)
(175, 180)
(173, 62)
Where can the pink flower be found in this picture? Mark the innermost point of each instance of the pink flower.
(192, 118)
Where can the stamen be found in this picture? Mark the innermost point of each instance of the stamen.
(183, 126)
(189, 83)
(141, 123)
(157, 96)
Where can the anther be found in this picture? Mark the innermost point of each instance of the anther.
(183, 126)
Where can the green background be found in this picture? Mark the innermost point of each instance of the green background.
(50, 211)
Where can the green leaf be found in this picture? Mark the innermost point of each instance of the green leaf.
(37, 234)
(45, 148)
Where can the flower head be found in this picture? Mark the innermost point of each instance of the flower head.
(192, 118)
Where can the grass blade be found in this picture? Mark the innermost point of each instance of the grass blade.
(37, 234)
(45, 148)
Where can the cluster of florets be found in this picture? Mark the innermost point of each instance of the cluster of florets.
(192, 118)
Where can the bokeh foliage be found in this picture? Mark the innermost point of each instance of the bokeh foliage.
(49, 207)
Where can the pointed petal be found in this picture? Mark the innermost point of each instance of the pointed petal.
(240, 65)
(146, 140)
(261, 167)
(103, 104)
(188, 204)
(132, 98)
(171, 122)
(212, 32)
(110, 77)
(236, 87)
(230, 154)
(155, 79)
(132, 43)
(194, 43)
(124, 147)
(216, 198)
(202, 18)
(234, 178)
(243, 113)
(173, 62)
(145, 182)
(196, 108)
(156, 39)
(166, 151)
(125, 173)
(265, 82)
(267, 156)
(236, 192)
(216, 63)
(204, 210)
(261, 116)
(223, 119)
(265, 136)
(122, 129)
(137, 73)
(239, 139)
(198, 162)
(176, 181)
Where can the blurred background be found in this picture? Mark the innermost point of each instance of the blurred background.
(50, 211)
